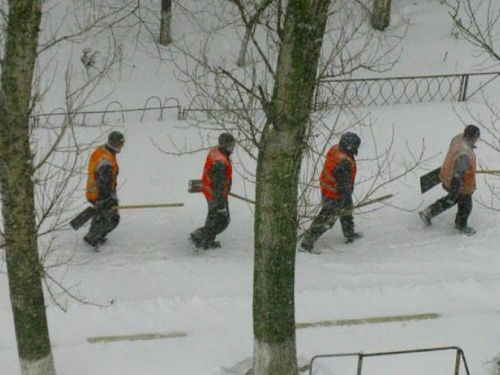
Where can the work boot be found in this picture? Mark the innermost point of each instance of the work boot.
(307, 247)
(468, 231)
(212, 245)
(425, 215)
(353, 237)
(195, 242)
(94, 245)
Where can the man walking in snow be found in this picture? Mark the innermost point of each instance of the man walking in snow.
(337, 184)
(101, 189)
(216, 185)
(458, 176)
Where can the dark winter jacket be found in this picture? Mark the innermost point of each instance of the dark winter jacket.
(342, 173)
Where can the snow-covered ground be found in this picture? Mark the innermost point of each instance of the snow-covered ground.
(147, 279)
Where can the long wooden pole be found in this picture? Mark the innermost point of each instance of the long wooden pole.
(242, 198)
(492, 171)
(371, 201)
(379, 199)
(154, 205)
(363, 204)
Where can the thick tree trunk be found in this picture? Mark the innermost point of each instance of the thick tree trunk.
(16, 180)
(278, 168)
(381, 14)
(166, 22)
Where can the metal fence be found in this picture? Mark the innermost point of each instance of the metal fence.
(114, 113)
(329, 93)
(400, 90)
(459, 359)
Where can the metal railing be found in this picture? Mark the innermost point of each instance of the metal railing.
(113, 110)
(400, 90)
(459, 357)
(329, 93)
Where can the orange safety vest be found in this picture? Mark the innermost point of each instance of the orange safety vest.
(215, 155)
(99, 157)
(459, 146)
(327, 182)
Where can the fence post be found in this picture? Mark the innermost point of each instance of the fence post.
(457, 363)
(462, 355)
(360, 363)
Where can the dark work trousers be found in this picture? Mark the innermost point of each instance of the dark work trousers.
(330, 211)
(464, 203)
(102, 224)
(215, 224)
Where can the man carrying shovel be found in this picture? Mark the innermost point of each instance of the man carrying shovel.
(458, 176)
(216, 185)
(101, 189)
(337, 185)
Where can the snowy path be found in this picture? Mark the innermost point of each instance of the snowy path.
(209, 297)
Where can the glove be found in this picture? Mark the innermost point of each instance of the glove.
(107, 204)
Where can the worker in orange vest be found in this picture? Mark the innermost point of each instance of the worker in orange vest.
(216, 185)
(101, 189)
(337, 184)
(458, 177)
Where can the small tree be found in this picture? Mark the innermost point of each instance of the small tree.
(33, 189)
(18, 206)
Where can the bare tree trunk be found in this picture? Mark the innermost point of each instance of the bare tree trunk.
(25, 271)
(381, 14)
(166, 22)
(278, 168)
(250, 24)
(244, 45)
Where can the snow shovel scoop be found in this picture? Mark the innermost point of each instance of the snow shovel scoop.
(195, 187)
(79, 220)
(431, 179)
